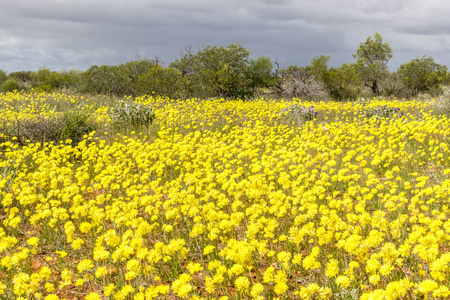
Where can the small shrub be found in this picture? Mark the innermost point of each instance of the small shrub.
(10, 85)
(41, 129)
(424, 97)
(298, 113)
(442, 103)
(381, 111)
(76, 125)
(71, 125)
(131, 114)
(363, 101)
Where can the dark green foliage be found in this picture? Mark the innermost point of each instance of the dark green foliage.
(3, 77)
(132, 71)
(10, 85)
(222, 70)
(135, 78)
(372, 57)
(109, 80)
(341, 83)
(22, 76)
(216, 71)
(161, 81)
(45, 80)
(260, 73)
(422, 74)
(344, 82)
(76, 125)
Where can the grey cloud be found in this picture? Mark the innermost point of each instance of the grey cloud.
(65, 34)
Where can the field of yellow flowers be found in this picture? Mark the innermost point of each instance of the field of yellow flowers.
(228, 200)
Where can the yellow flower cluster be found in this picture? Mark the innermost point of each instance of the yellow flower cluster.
(224, 199)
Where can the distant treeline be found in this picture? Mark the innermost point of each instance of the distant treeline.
(229, 72)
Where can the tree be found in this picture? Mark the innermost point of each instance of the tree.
(371, 62)
(161, 81)
(135, 78)
(260, 73)
(45, 80)
(105, 79)
(136, 68)
(3, 76)
(422, 74)
(10, 85)
(132, 70)
(185, 64)
(299, 82)
(341, 83)
(393, 87)
(216, 71)
(22, 76)
(346, 82)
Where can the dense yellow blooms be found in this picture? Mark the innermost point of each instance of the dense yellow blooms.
(225, 199)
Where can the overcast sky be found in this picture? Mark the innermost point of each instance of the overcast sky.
(68, 34)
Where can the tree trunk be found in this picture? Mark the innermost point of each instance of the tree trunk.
(375, 89)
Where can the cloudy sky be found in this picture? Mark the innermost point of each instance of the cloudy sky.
(67, 34)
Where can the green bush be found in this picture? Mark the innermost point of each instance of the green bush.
(76, 125)
(10, 85)
(45, 80)
(22, 76)
(423, 75)
(44, 88)
(3, 76)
